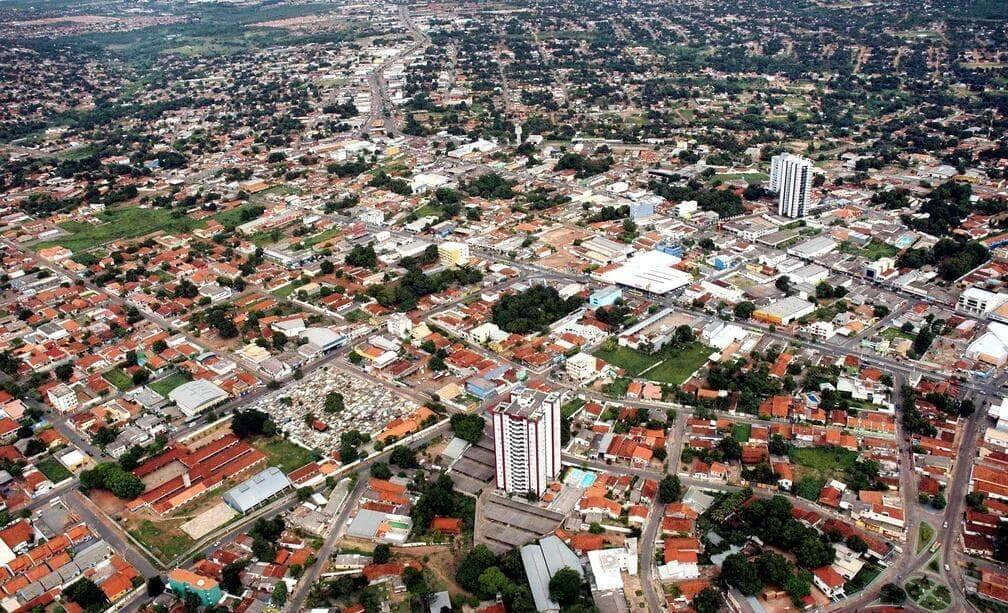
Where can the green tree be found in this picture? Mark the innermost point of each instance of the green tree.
(381, 554)
(709, 600)
(737, 571)
(892, 594)
(468, 427)
(565, 587)
(279, 597)
(493, 581)
(744, 310)
(334, 402)
(155, 585)
(670, 489)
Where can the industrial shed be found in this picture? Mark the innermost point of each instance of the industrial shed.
(257, 489)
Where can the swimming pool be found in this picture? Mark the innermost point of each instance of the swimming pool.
(580, 478)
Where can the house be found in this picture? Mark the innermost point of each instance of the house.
(829, 582)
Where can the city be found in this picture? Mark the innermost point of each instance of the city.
(617, 306)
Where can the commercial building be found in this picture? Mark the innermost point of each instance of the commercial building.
(257, 489)
(791, 178)
(784, 311)
(605, 296)
(651, 271)
(541, 562)
(62, 398)
(453, 253)
(380, 527)
(182, 582)
(196, 396)
(976, 301)
(527, 441)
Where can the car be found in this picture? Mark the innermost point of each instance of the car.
(945, 525)
(947, 568)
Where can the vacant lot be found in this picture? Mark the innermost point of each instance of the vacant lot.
(118, 378)
(633, 361)
(824, 463)
(53, 470)
(284, 454)
(679, 363)
(163, 386)
(164, 538)
(115, 224)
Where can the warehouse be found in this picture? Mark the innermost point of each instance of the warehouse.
(257, 489)
(652, 271)
(196, 396)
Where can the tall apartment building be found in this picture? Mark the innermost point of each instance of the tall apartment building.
(527, 441)
(453, 253)
(791, 178)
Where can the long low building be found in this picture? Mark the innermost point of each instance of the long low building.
(257, 489)
(784, 311)
(651, 271)
(196, 396)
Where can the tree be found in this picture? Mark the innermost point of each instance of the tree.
(670, 489)
(856, 543)
(472, 566)
(155, 586)
(87, 594)
(783, 283)
(404, 457)
(279, 597)
(938, 501)
(380, 470)
(892, 594)
(737, 571)
(565, 586)
(493, 581)
(773, 568)
(382, 553)
(707, 601)
(731, 448)
(231, 577)
(468, 427)
(744, 310)
(250, 423)
(334, 402)
(64, 372)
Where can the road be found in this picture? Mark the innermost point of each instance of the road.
(311, 574)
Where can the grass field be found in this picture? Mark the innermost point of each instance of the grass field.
(118, 378)
(321, 237)
(924, 535)
(571, 406)
(822, 462)
(745, 176)
(165, 539)
(284, 454)
(53, 470)
(671, 366)
(741, 432)
(163, 386)
(680, 364)
(127, 222)
(862, 579)
(891, 333)
(633, 361)
(284, 292)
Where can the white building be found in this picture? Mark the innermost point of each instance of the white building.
(62, 398)
(453, 253)
(527, 441)
(791, 178)
(400, 325)
(976, 301)
(582, 367)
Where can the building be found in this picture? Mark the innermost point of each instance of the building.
(582, 366)
(527, 441)
(380, 527)
(182, 581)
(605, 297)
(791, 178)
(880, 268)
(976, 301)
(829, 582)
(784, 311)
(257, 489)
(651, 271)
(541, 562)
(196, 396)
(62, 397)
(453, 253)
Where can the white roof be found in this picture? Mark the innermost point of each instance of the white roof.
(651, 271)
(606, 565)
(194, 396)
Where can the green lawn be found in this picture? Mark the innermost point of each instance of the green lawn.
(741, 432)
(163, 386)
(630, 360)
(571, 406)
(929, 594)
(119, 378)
(924, 535)
(284, 454)
(680, 363)
(165, 542)
(823, 463)
(311, 241)
(232, 218)
(356, 316)
(288, 289)
(126, 222)
(53, 470)
(891, 333)
(745, 176)
(863, 579)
